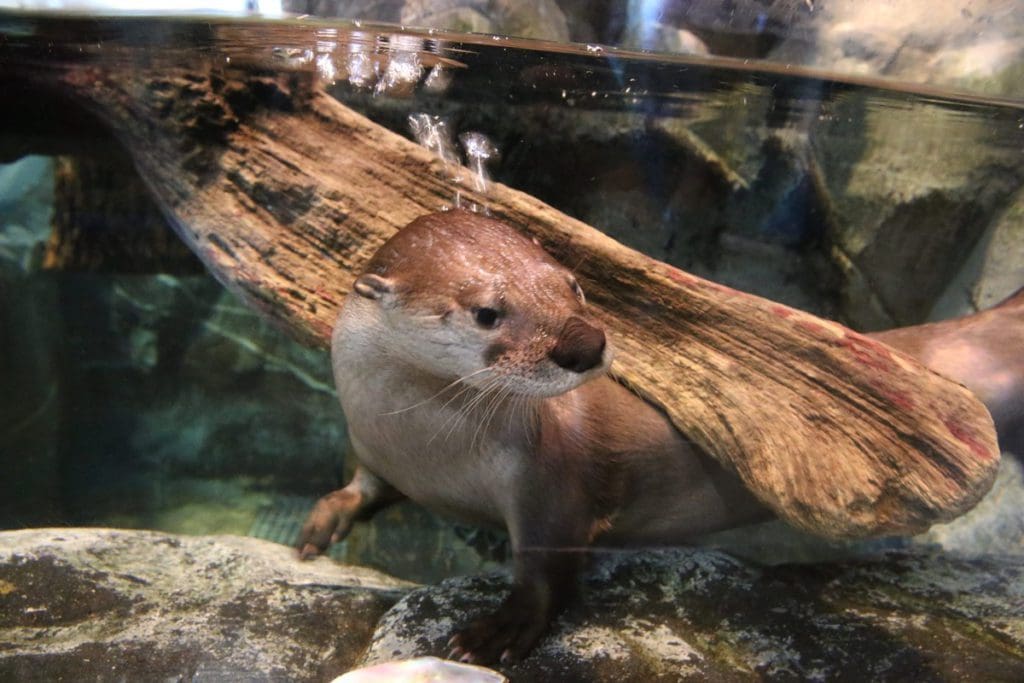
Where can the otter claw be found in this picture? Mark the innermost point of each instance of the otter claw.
(455, 649)
(308, 552)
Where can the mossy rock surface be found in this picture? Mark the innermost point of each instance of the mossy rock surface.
(105, 605)
(687, 614)
(98, 604)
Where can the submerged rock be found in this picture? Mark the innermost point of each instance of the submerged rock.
(116, 605)
(994, 527)
(906, 214)
(1002, 268)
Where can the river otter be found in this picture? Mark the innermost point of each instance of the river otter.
(474, 383)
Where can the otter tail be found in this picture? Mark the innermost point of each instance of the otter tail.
(983, 351)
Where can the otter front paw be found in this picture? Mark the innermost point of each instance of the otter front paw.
(328, 522)
(508, 634)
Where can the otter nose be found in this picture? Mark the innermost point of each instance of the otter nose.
(579, 347)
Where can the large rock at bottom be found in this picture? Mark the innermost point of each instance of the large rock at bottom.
(700, 615)
(99, 605)
(78, 604)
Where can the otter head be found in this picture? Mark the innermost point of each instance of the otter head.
(462, 296)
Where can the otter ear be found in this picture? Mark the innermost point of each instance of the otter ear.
(373, 286)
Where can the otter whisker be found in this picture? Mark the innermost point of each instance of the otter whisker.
(431, 398)
(474, 407)
(483, 391)
(502, 401)
(513, 407)
(490, 411)
(456, 418)
(486, 406)
(528, 416)
(463, 390)
(486, 400)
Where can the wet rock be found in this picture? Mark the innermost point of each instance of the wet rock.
(748, 210)
(111, 605)
(700, 615)
(772, 236)
(81, 604)
(369, 10)
(992, 272)
(448, 16)
(906, 213)
(727, 188)
(1002, 271)
(994, 527)
(738, 29)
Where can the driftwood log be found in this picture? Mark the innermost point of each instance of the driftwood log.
(285, 193)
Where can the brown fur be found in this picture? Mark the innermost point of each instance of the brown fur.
(515, 423)
(561, 455)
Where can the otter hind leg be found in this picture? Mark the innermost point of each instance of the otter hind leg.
(332, 516)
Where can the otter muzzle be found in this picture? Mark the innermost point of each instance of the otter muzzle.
(580, 346)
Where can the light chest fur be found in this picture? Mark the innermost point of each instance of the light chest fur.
(468, 455)
(439, 444)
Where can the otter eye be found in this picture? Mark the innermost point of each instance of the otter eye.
(486, 317)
